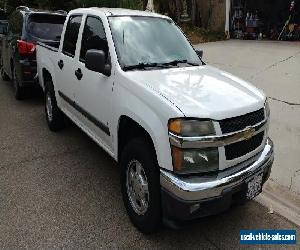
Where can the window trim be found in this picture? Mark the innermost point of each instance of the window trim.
(62, 49)
(86, 18)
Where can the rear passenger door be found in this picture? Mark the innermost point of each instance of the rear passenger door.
(94, 91)
(66, 66)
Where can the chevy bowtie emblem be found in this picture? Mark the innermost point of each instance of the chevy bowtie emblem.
(248, 133)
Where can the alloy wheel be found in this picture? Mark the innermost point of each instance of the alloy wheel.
(49, 108)
(137, 187)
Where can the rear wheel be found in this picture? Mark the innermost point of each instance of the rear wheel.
(140, 185)
(54, 116)
(19, 91)
(4, 76)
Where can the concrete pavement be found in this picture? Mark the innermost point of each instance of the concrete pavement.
(273, 67)
(60, 190)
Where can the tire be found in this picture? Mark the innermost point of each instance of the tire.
(4, 76)
(139, 154)
(54, 116)
(19, 91)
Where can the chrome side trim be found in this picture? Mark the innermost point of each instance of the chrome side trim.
(195, 188)
(217, 140)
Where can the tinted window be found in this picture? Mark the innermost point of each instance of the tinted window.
(46, 27)
(16, 23)
(93, 37)
(71, 35)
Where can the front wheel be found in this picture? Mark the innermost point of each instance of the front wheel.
(140, 185)
(4, 76)
(19, 91)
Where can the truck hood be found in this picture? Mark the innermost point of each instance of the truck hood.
(203, 92)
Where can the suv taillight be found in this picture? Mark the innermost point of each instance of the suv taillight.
(26, 48)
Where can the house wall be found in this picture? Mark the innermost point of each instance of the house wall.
(209, 14)
(212, 13)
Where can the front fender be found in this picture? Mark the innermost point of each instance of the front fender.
(150, 111)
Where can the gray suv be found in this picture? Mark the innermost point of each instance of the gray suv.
(25, 28)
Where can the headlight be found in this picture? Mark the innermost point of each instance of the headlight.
(267, 108)
(191, 128)
(188, 161)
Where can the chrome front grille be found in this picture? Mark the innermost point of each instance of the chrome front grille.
(241, 148)
(241, 122)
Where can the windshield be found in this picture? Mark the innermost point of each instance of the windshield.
(149, 41)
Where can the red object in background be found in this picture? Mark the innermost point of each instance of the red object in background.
(26, 48)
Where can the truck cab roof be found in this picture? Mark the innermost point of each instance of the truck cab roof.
(117, 12)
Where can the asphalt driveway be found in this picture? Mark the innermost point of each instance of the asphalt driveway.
(60, 190)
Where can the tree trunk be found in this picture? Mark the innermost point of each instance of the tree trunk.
(145, 2)
(193, 14)
(178, 9)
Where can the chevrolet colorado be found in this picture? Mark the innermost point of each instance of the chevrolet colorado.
(190, 139)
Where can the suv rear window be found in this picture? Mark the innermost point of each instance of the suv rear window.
(45, 26)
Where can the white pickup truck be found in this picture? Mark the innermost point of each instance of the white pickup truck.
(190, 139)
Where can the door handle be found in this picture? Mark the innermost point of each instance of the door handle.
(78, 74)
(60, 64)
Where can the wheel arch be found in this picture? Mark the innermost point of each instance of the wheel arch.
(148, 126)
(46, 75)
(129, 129)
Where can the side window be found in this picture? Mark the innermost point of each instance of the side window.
(71, 35)
(16, 23)
(93, 37)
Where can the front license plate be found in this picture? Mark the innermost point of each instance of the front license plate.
(254, 186)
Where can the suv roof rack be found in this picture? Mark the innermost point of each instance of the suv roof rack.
(22, 8)
(62, 12)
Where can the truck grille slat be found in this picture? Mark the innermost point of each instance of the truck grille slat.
(241, 122)
(241, 148)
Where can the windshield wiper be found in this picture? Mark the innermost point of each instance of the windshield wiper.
(176, 62)
(140, 66)
(157, 65)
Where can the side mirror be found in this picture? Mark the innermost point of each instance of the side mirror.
(95, 61)
(199, 53)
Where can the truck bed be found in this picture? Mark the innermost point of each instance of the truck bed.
(46, 59)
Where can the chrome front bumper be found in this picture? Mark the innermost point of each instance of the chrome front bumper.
(195, 188)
